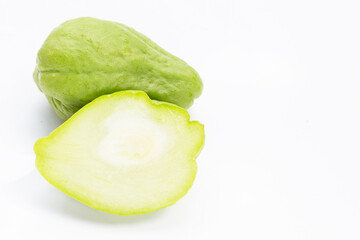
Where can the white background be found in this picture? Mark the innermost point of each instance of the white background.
(281, 107)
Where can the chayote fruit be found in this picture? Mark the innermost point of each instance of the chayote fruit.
(123, 154)
(85, 58)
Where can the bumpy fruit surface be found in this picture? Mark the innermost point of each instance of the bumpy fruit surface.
(85, 58)
(123, 154)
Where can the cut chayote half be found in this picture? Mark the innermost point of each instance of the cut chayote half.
(85, 58)
(123, 154)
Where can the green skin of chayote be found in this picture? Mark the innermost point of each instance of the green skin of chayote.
(85, 58)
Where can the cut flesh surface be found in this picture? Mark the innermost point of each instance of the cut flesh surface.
(123, 154)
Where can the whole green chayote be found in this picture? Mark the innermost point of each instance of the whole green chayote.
(85, 58)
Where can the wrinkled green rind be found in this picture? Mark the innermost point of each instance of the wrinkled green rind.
(85, 58)
(42, 159)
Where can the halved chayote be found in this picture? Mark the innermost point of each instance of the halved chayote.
(123, 154)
